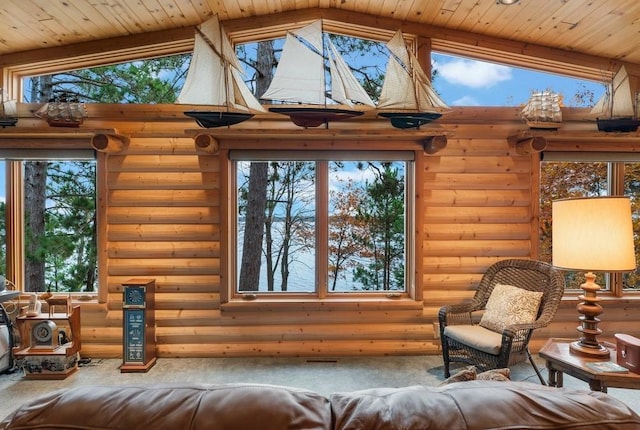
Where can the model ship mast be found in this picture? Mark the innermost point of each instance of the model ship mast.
(407, 98)
(214, 81)
(299, 81)
(62, 111)
(617, 109)
(543, 110)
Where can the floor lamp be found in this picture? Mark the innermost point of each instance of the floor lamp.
(592, 234)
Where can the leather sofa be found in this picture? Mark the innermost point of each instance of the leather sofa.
(462, 405)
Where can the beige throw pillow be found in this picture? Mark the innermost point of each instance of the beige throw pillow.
(467, 374)
(503, 374)
(510, 305)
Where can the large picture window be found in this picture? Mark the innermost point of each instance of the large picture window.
(50, 240)
(322, 224)
(593, 174)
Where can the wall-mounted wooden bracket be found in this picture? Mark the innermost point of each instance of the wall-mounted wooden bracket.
(525, 143)
(109, 143)
(207, 143)
(433, 144)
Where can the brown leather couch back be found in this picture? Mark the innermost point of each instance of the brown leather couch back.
(464, 405)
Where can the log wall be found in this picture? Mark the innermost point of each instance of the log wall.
(161, 211)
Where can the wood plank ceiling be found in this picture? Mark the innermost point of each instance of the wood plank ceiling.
(607, 30)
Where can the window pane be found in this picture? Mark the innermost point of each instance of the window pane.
(561, 180)
(632, 190)
(276, 226)
(60, 226)
(366, 226)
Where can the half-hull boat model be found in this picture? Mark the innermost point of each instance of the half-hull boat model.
(300, 84)
(8, 110)
(407, 98)
(543, 110)
(617, 109)
(214, 81)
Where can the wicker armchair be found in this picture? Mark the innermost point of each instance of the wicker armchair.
(463, 340)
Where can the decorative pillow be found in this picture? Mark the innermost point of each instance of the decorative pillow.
(510, 305)
(466, 374)
(495, 375)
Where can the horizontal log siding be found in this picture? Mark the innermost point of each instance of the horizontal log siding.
(163, 221)
(481, 213)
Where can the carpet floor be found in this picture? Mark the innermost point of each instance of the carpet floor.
(323, 376)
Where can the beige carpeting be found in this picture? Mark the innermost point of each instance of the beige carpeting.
(320, 375)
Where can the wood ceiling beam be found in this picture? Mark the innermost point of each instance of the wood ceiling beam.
(444, 40)
(180, 40)
(100, 52)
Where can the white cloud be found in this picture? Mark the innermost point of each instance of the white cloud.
(474, 74)
(466, 101)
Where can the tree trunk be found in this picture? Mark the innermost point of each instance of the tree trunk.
(257, 197)
(35, 178)
(253, 228)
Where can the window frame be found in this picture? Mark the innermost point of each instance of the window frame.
(615, 187)
(14, 184)
(411, 297)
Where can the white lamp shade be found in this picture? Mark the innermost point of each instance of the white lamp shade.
(594, 234)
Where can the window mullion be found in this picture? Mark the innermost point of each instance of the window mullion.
(322, 228)
(616, 188)
(15, 223)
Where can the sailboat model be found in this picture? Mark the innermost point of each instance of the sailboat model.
(63, 111)
(299, 81)
(407, 98)
(8, 111)
(617, 108)
(214, 81)
(543, 110)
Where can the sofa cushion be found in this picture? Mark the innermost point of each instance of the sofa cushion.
(475, 405)
(173, 407)
(510, 305)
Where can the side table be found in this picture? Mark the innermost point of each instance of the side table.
(559, 360)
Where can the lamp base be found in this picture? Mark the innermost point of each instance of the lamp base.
(599, 351)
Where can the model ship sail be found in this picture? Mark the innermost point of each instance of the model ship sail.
(407, 97)
(214, 80)
(543, 110)
(8, 111)
(617, 108)
(63, 111)
(300, 79)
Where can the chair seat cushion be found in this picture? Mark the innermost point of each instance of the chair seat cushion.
(510, 305)
(476, 337)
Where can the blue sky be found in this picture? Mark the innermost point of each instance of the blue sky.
(465, 82)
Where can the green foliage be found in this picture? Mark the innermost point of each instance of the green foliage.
(156, 80)
(68, 247)
(382, 211)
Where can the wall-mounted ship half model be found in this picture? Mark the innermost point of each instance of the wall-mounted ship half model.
(300, 82)
(63, 111)
(214, 81)
(407, 98)
(617, 109)
(8, 110)
(542, 111)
